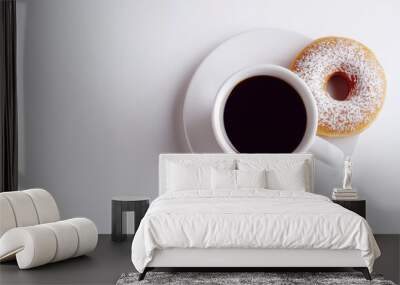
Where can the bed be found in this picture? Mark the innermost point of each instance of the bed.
(245, 211)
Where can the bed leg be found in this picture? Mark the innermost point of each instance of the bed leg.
(364, 271)
(142, 275)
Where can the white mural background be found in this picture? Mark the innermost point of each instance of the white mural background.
(101, 87)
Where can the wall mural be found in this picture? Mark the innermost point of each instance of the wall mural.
(277, 91)
(350, 60)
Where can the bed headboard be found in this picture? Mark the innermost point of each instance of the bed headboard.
(267, 158)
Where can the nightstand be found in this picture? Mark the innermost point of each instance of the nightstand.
(120, 204)
(357, 206)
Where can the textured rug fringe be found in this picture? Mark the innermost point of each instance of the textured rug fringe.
(268, 278)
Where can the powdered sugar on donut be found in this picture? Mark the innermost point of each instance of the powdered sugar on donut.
(327, 56)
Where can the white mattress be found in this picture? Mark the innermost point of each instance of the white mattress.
(251, 218)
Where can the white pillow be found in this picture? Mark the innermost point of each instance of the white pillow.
(223, 179)
(237, 179)
(290, 179)
(190, 174)
(188, 177)
(251, 178)
(282, 174)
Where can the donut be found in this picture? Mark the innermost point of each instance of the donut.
(350, 60)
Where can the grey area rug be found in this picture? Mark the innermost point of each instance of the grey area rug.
(273, 278)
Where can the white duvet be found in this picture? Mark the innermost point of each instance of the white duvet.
(250, 218)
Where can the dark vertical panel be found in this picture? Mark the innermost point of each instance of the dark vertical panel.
(8, 97)
(116, 221)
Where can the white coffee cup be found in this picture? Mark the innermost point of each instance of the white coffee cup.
(322, 149)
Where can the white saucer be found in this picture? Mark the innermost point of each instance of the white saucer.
(262, 46)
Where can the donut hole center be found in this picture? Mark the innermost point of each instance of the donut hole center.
(339, 86)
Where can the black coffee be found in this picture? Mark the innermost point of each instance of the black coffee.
(264, 114)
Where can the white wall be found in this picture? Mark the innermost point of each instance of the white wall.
(101, 84)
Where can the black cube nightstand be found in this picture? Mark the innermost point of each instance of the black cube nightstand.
(357, 206)
(120, 204)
